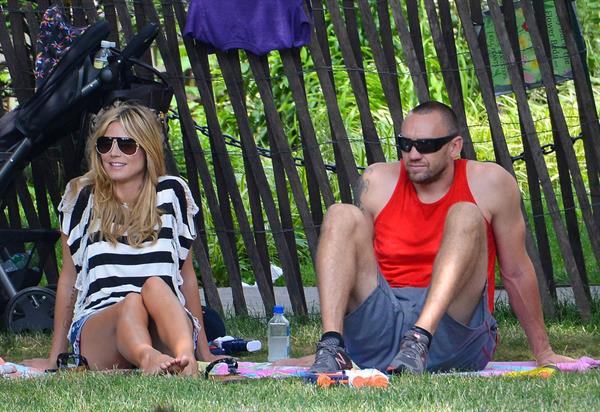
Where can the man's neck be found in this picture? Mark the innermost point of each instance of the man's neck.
(430, 192)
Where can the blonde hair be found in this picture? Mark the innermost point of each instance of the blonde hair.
(141, 219)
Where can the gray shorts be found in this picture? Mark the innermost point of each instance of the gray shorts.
(372, 332)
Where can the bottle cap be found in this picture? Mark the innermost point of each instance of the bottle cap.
(107, 44)
(278, 310)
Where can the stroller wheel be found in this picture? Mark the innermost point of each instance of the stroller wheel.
(30, 309)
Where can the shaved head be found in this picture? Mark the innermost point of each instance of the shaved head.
(446, 112)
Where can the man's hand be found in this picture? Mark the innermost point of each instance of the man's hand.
(548, 357)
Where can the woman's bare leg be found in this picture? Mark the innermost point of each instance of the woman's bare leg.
(170, 324)
(118, 337)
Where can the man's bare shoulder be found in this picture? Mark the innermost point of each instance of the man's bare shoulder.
(375, 186)
(493, 187)
(488, 173)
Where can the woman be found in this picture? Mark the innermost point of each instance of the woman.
(127, 294)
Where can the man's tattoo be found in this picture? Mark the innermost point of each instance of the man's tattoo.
(361, 187)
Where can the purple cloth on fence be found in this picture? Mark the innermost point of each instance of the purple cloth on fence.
(258, 26)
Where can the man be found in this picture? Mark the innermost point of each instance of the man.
(406, 277)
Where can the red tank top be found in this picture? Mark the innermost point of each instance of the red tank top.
(408, 232)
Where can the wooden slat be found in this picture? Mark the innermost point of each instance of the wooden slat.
(346, 160)
(78, 13)
(499, 140)
(352, 30)
(220, 149)
(568, 202)
(579, 291)
(562, 131)
(535, 195)
(385, 32)
(319, 36)
(189, 133)
(18, 84)
(295, 290)
(225, 203)
(451, 81)
(410, 53)
(372, 144)
(314, 192)
(23, 62)
(412, 12)
(390, 87)
(208, 282)
(314, 159)
(124, 18)
(283, 149)
(539, 218)
(90, 11)
(588, 104)
(279, 168)
(110, 12)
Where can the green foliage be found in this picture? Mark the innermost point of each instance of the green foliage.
(588, 13)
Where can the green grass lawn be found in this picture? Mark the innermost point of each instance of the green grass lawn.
(97, 391)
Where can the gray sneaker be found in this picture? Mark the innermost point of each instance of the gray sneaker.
(412, 355)
(330, 358)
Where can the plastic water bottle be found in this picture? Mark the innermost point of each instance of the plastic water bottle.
(101, 58)
(279, 335)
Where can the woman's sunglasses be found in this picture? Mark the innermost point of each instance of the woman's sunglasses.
(424, 146)
(126, 145)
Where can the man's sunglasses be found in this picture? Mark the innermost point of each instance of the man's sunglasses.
(424, 146)
(126, 145)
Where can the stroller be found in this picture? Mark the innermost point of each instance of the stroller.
(71, 91)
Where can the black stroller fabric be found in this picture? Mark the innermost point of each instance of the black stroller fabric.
(52, 107)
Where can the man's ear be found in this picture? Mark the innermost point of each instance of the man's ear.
(456, 146)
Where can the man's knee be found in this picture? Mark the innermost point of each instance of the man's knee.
(467, 216)
(342, 217)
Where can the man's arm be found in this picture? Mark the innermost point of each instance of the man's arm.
(517, 271)
(374, 187)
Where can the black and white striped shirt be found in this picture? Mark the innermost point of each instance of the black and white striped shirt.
(107, 273)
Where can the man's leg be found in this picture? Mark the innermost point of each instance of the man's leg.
(458, 278)
(347, 274)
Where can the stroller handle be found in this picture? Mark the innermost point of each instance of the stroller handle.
(140, 42)
(134, 50)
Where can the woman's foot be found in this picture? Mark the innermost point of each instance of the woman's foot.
(183, 365)
(155, 363)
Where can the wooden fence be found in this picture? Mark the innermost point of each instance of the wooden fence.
(378, 47)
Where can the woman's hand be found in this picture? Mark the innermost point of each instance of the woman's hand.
(40, 363)
(207, 356)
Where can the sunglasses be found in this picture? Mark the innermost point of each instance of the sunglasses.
(424, 146)
(126, 145)
(72, 361)
(232, 366)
